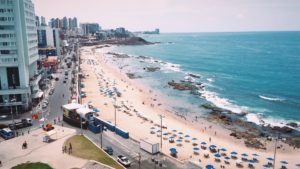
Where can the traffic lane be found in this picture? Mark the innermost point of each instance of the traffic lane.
(131, 149)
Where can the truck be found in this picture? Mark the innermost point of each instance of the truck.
(149, 146)
(21, 124)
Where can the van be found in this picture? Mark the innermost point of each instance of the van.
(6, 133)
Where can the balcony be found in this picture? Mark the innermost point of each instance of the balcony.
(7, 22)
(8, 60)
(14, 91)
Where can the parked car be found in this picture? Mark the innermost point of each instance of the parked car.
(44, 106)
(83, 95)
(123, 160)
(109, 150)
(6, 133)
(65, 81)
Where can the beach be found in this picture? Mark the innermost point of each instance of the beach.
(139, 111)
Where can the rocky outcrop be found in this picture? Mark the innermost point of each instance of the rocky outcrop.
(292, 124)
(152, 69)
(117, 55)
(133, 76)
(185, 86)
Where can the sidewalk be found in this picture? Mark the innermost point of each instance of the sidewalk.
(11, 152)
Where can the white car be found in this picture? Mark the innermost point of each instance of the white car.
(123, 160)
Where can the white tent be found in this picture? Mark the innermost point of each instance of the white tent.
(83, 111)
(72, 106)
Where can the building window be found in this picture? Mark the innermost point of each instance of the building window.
(13, 77)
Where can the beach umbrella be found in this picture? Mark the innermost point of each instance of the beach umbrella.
(251, 161)
(152, 128)
(284, 162)
(203, 143)
(180, 132)
(213, 146)
(233, 153)
(297, 165)
(245, 155)
(270, 159)
(173, 150)
(255, 155)
(187, 136)
(179, 140)
(196, 148)
(165, 134)
(217, 155)
(209, 167)
(227, 158)
(172, 137)
(223, 149)
(174, 130)
(194, 139)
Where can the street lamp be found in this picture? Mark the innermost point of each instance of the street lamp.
(115, 105)
(100, 126)
(276, 140)
(161, 127)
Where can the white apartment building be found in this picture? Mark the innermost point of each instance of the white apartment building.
(18, 53)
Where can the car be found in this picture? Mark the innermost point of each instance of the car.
(109, 150)
(6, 133)
(56, 79)
(65, 81)
(44, 106)
(45, 102)
(83, 95)
(123, 160)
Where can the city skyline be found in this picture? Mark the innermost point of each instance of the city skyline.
(178, 16)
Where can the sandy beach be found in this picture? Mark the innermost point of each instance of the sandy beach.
(139, 108)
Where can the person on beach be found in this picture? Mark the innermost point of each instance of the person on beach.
(70, 148)
(209, 139)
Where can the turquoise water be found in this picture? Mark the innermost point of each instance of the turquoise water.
(256, 72)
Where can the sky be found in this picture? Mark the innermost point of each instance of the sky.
(179, 15)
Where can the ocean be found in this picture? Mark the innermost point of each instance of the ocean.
(253, 72)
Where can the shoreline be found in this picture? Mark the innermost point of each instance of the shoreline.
(111, 71)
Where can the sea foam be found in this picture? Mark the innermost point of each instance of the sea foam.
(271, 98)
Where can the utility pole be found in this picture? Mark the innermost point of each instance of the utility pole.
(140, 157)
(274, 160)
(115, 104)
(81, 125)
(101, 130)
(161, 127)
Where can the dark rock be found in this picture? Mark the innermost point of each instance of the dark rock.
(194, 76)
(292, 124)
(254, 143)
(133, 76)
(233, 134)
(152, 69)
(284, 129)
(117, 55)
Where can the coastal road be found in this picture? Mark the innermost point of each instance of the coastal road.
(131, 149)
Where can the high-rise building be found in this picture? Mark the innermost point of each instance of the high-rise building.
(18, 53)
(89, 28)
(45, 36)
(70, 23)
(74, 23)
(37, 21)
(49, 38)
(65, 23)
(43, 21)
